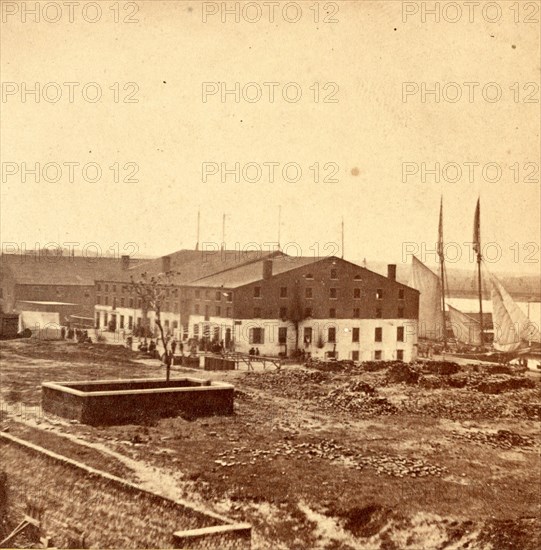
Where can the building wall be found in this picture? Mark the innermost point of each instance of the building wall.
(82, 295)
(320, 346)
(348, 277)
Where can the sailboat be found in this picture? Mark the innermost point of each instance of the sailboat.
(513, 332)
(431, 287)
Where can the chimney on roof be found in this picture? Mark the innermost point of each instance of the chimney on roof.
(125, 261)
(267, 269)
(166, 264)
(391, 272)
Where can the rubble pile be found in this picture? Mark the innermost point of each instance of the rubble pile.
(371, 366)
(439, 367)
(297, 384)
(402, 373)
(357, 397)
(504, 439)
(468, 404)
(532, 411)
(502, 383)
(329, 449)
(333, 366)
(489, 383)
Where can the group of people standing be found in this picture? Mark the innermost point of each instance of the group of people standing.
(78, 335)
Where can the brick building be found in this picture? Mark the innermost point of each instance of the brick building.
(277, 303)
(51, 282)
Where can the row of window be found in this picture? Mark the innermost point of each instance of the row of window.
(333, 293)
(173, 292)
(308, 312)
(257, 335)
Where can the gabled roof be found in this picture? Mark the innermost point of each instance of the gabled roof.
(58, 270)
(191, 265)
(252, 272)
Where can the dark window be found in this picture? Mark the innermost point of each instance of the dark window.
(356, 313)
(282, 335)
(377, 355)
(400, 354)
(106, 288)
(357, 277)
(283, 292)
(130, 322)
(257, 312)
(99, 287)
(228, 312)
(198, 294)
(355, 333)
(207, 313)
(307, 335)
(207, 294)
(378, 335)
(354, 355)
(98, 299)
(218, 296)
(308, 292)
(400, 312)
(334, 274)
(196, 308)
(218, 311)
(401, 293)
(332, 313)
(175, 324)
(229, 296)
(283, 312)
(121, 302)
(309, 276)
(139, 303)
(257, 335)
(257, 292)
(378, 313)
(131, 302)
(106, 300)
(333, 293)
(121, 325)
(308, 312)
(399, 334)
(357, 293)
(379, 294)
(331, 334)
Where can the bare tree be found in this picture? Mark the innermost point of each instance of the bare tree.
(153, 290)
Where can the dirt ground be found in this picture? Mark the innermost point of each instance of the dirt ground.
(357, 457)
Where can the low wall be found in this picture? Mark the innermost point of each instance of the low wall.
(218, 363)
(132, 400)
(80, 507)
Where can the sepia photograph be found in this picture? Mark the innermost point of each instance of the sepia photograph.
(270, 274)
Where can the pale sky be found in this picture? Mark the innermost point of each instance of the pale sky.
(369, 133)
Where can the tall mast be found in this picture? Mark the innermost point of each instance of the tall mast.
(477, 248)
(442, 274)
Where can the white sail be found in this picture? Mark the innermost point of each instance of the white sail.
(428, 284)
(466, 329)
(512, 328)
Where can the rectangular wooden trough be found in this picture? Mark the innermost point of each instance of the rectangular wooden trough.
(99, 402)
